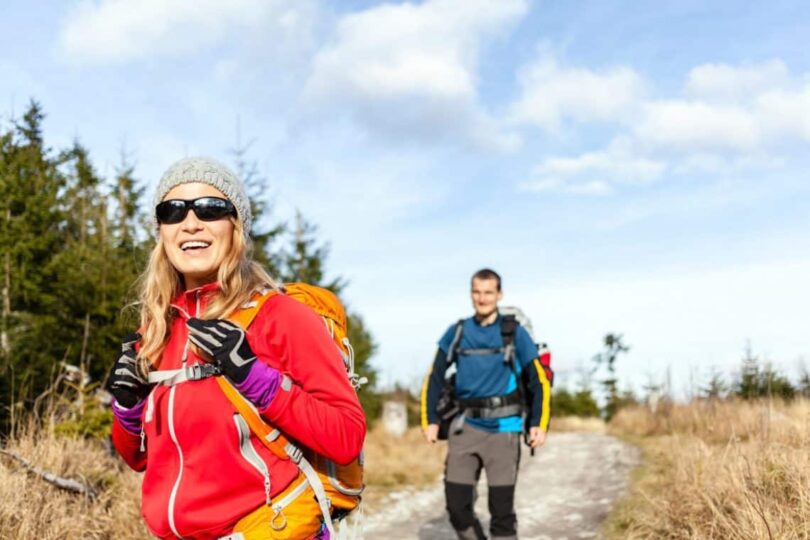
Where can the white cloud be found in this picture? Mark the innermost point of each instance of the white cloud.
(729, 119)
(551, 93)
(594, 173)
(786, 112)
(109, 31)
(409, 70)
(723, 82)
(732, 110)
(591, 187)
(688, 125)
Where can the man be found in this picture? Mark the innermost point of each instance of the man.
(492, 402)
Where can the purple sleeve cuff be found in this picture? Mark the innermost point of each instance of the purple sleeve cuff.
(323, 534)
(261, 384)
(130, 419)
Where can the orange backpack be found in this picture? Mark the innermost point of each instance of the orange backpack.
(341, 486)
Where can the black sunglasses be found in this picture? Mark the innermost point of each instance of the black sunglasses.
(205, 208)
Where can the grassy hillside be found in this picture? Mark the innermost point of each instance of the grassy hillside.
(718, 469)
(31, 508)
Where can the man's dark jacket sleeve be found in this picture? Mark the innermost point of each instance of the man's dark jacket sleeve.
(432, 388)
(540, 394)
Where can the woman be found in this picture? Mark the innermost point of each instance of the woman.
(202, 478)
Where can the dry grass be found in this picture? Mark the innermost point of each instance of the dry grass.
(730, 470)
(395, 462)
(578, 424)
(31, 508)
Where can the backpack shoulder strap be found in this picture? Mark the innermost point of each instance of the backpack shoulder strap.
(452, 352)
(244, 314)
(509, 326)
(271, 437)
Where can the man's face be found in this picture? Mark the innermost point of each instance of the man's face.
(485, 296)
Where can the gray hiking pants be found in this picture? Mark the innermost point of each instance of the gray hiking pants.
(468, 453)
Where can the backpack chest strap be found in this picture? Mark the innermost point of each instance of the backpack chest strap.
(171, 377)
(481, 351)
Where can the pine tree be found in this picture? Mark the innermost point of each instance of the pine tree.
(747, 386)
(716, 387)
(772, 383)
(30, 225)
(68, 260)
(757, 381)
(6, 182)
(803, 388)
(80, 274)
(255, 184)
(305, 261)
(576, 403)
(128, 243)
(607, 359)
(128, 221)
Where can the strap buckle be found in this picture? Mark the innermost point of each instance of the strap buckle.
(200, 371)
(294, 452)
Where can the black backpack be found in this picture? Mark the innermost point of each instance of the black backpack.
(448, 406)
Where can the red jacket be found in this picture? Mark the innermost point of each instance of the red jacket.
(197, 484)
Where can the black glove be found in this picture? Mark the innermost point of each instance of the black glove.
(226, 343)
(126, 384)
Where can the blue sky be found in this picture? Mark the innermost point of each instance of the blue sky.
(626, 166)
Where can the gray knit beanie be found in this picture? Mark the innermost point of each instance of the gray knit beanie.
(206, 171)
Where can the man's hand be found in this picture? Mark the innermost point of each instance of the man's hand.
(225, 343)
(431, 433)
(536, 437)
(126, 383)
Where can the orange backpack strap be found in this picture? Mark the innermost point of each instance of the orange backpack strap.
(326, 305)
(244, 314)
(270, 437)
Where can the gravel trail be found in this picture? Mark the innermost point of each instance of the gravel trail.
(564, 492)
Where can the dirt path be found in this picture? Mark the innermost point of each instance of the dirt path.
(564, 492)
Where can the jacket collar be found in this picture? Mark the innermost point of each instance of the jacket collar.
(191, 302)
(493, 323)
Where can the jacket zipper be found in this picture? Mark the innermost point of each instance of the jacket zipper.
(150, 413)
(173, 434)
(291, 496)
(173, 496)
(250, 454)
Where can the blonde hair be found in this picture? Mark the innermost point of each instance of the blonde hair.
(239, 277)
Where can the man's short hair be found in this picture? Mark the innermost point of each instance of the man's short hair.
(486, 273)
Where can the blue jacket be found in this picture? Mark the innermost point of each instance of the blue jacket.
(488, 375)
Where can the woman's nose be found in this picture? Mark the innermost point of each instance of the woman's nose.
(191, 222)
